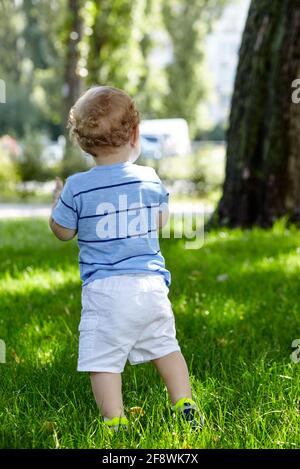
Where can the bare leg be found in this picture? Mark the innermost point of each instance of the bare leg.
(173, 370)
(107, 389)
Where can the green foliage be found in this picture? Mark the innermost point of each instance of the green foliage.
(235, 334)
(9, 175)
(188, 24)
(31, 165)
(18, 113)
(118, 39)
(31, 66)
(34, 167)
(75, 161)
(115, 56)
(216, 134)
(202, 171)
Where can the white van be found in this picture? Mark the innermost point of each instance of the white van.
(164, 137)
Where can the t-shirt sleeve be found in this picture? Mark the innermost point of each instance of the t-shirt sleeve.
(163, 198)
(65, 212)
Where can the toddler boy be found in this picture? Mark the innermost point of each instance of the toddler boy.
(116, 209)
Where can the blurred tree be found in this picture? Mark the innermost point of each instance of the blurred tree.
(9, 174)
(31, 65)
(119, 52)
(52, 48)
(12, 114)
(30, 165)
(34, 38)
(114, 55)
(10, 63)
(73, 36)
(153, 85)
(263, 159)
(71, 90)
(188, 22)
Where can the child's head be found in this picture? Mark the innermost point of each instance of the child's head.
(103, 120)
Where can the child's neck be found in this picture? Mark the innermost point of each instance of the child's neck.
(106, 161)
(120, 156)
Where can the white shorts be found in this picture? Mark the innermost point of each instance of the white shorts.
(125, 317)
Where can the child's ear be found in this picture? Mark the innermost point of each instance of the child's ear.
(134, 135)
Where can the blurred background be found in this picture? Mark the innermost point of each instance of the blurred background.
(177, 58)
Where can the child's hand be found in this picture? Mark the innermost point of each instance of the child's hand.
(57, 190)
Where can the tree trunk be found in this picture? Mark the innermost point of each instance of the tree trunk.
(262, 179)
(72, 83)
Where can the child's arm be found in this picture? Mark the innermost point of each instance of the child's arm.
(163, 217)
(163, 210)
(62, 233)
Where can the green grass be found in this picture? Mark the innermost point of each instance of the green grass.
(236, 336)
(34, 198)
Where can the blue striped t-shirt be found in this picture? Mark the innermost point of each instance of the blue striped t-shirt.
(114, 208)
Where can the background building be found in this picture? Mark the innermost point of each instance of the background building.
(222, 49)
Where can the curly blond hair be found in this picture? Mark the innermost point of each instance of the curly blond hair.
(103, 118)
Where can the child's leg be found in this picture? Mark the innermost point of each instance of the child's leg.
(107, 389)
(173, 370)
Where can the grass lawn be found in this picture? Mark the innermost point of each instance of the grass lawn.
(236, 335)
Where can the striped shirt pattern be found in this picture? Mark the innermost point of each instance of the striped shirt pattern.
(114, 209)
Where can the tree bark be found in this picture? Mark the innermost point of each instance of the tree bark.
(262, 181)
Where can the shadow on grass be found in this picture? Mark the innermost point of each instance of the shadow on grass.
(260, 306)
(227, 330)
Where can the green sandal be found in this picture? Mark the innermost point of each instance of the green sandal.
(189, 410)
(117, 423)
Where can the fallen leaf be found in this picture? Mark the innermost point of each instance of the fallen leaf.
(137, 411)
(48, 426)
(222, 342)
(16, 357)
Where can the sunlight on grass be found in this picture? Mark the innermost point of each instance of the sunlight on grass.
(36, 279)
(236, 305)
